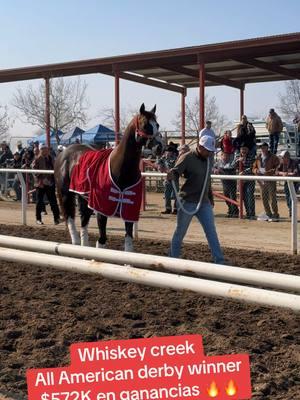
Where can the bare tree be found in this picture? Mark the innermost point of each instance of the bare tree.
(107, 116)
(212, 113)
(68, 104)
(4, 122)
(290, 100)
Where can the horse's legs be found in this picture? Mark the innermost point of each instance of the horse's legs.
(128, 244)
(68, 204)
(102, 221)
(85, 215)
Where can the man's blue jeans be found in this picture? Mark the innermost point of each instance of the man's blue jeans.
(206, 218)
(274, 139)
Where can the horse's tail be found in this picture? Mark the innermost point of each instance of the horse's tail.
(62, 180)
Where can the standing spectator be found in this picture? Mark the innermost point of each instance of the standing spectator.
(274, 126)
(17, 163)
(246, 135)
(5, 155)
(224, 167)
(288, 167)
(207, 131)
(193, 165)
(45, 185)
(266, 164)
(243, 162)
(227, 144)
(165, 163)
(20, 148)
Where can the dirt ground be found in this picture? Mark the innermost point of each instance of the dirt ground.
(43, 311)
(232, 232)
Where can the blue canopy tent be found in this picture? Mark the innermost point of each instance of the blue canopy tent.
(71, 136)
(42, 138)
(98, 134)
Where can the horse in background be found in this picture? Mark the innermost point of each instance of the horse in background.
(106, 181)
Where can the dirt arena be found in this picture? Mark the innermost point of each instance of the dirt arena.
(43, 311)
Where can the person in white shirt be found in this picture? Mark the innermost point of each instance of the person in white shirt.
(207, 131)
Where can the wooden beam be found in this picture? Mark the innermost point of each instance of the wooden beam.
(267, 66)
(209, 77)
(150, 82)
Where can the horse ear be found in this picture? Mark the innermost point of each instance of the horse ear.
(142, 109)
(153, 109)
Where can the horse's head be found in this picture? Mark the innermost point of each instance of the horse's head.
(147, 130)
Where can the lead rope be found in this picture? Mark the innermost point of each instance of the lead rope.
(179, 202)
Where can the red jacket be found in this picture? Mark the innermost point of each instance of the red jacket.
(227, 145)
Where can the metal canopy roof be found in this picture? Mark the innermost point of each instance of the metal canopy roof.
(234, 64)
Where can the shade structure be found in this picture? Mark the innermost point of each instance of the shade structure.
(98, 134)
(71, 136)
(41, 138)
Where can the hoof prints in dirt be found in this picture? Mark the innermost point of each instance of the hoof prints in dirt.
(43, 311)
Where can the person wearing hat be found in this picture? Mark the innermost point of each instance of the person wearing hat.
(266, 164)
(193, 165)
(288, 167)
(164, 164)
(45, 184)
(274, 126)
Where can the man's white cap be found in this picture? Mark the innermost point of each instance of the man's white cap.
(43, 146)
(208, 142)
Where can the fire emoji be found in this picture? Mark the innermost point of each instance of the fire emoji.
(231, 388)
(213, 390)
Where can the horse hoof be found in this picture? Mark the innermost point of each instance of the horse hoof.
(128, 245)
(100, 246)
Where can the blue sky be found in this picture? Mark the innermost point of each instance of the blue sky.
(38, 32)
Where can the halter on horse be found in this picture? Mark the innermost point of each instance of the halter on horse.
(73, 167)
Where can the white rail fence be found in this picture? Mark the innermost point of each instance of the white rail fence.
(95, 264)
(289, 180)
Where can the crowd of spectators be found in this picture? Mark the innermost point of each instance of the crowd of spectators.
(241, 156)
(41, 187)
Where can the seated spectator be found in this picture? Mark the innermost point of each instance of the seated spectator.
(224, 167)
(246, 134)
(165, 163)
(288, 167)
(243, 163)
(266, 164)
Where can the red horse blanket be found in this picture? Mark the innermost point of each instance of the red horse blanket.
(91, 176)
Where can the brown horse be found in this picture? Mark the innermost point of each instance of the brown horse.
(124, 161)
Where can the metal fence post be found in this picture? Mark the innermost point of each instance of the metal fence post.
(294, 219)
(241, 190)
(24, 197)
